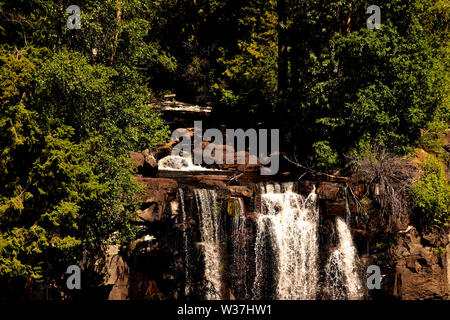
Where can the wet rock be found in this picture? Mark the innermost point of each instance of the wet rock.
(329, 191)
(150, 214)
(158, 192)
(207, 181)
(241, 191)
(335, 208)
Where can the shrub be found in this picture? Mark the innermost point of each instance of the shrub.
(324, 156)
(431, 194)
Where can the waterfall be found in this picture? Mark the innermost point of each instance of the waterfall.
(239, 253)
(334, 283)
(177, 163)
(286, 248)
(210, 234)
(286, 245)
(342, 280)
(187, 257)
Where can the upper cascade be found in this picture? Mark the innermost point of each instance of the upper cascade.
(177, 163)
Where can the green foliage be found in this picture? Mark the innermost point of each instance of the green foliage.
(439, 250)
(68, 122)
(95, 101)
(50, 187)
(249, 76)
(431, 194)
(356, 85)
(41, 213)
(433, 137)
(324, 156)
(75, 102)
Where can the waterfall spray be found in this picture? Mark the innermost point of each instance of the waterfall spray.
(239, 252)
(187, 257)
(210, 233)
(342, 280)
(288, 224)
(177, 163)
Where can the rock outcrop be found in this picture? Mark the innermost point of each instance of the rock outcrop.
(421, 270)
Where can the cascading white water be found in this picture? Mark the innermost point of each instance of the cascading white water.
(286, 249)
(187, 257)
(334, 277)
(289, 225)
(177, 163)
(210, 234)
(239, 252)
(342, 280)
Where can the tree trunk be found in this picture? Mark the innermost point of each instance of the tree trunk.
(116, 35)
(282, 49)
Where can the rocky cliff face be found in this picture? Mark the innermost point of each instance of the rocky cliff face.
(421, 270)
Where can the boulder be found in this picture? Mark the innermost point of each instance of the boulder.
(329, 191)
(149, 214)
(241, 191)
(106, 268)
(250, 162)
(160, 152)
(305, 186)
(150, 165)
(157, 193)
(137, 159)
(335, 208)
(117, 274)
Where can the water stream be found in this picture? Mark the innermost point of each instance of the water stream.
(186, 243)
(210, 228)
(177, 163)
(287, 243)
(342, 279)
(238, 238)
(279, 259)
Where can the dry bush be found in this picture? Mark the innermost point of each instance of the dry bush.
(388, 179)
